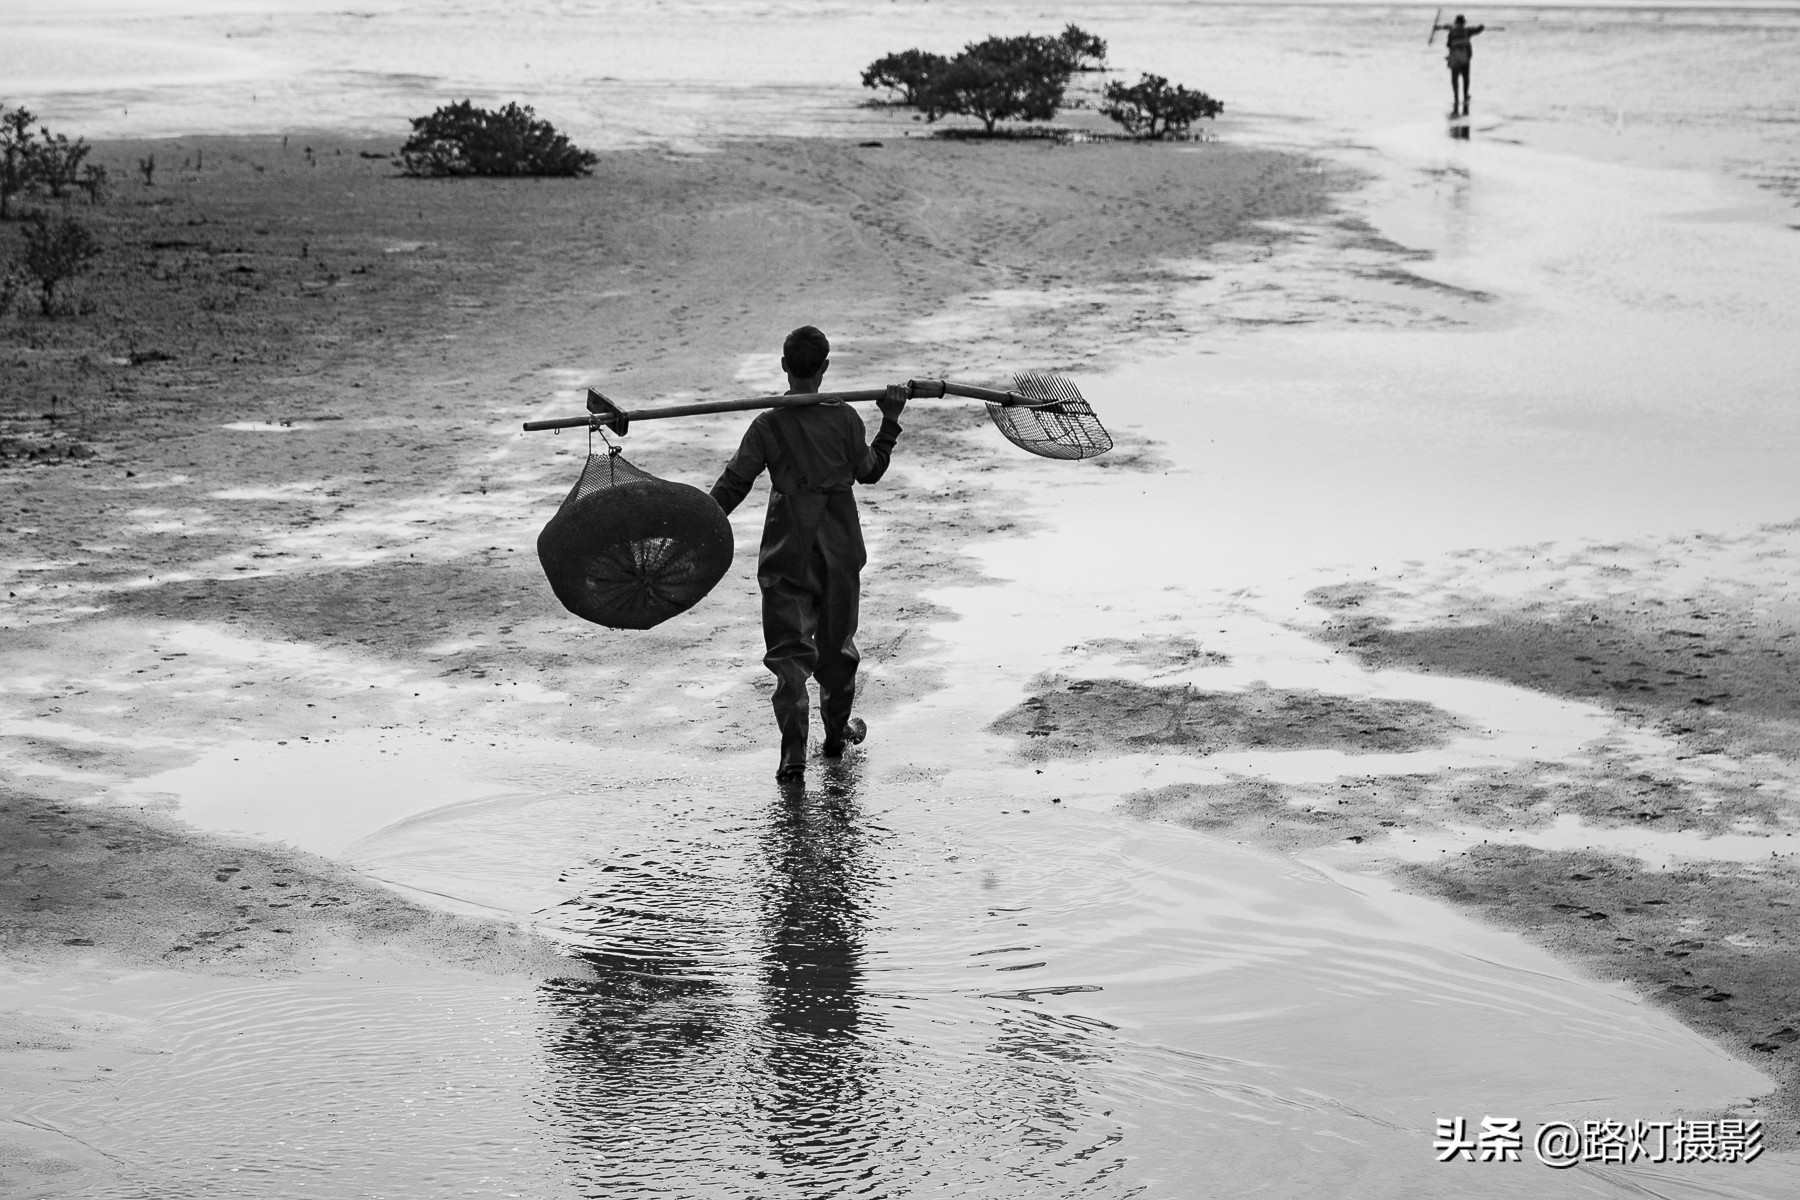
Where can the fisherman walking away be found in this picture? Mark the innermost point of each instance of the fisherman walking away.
(810, 565)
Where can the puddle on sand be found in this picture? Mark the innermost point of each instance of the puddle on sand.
(373, 1083)
(881, 988)
(316, 795)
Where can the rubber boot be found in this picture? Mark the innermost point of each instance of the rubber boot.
(853, 732)
(793, 746)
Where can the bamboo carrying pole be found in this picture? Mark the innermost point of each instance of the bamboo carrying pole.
(1435, 26)
(604, 414)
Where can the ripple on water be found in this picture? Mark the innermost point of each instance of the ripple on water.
(379, 1083)
(875, 990)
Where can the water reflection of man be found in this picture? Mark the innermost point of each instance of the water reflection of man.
(814, 1067)
(1457, 37)
(667, 1068)
(812, 553)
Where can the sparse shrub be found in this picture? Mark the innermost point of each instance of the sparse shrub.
(93, 182)
(58, 160)
(460, 139)
(18, 166)
(907, 73)
(56, 251)
(1153, 107)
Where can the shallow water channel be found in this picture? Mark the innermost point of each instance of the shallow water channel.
(886, 984)
(884, 987)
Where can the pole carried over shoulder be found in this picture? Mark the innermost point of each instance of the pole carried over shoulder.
(604, 414)
(1044, 414)
(1435, 26)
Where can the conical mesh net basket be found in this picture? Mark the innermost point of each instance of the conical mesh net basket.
(1060, 425)
(629, 550)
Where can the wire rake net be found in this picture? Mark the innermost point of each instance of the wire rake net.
(629, 550)
(1055, 422)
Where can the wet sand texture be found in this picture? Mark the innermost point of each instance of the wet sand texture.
(1688, 644)
(1693, 641)
(1694, 662)
(267, 288)
(263, 489)
(1085, 717)
(145, 890)
(402, 325)
(1714, 942)
(397, 329)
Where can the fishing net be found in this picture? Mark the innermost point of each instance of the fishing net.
(1061, 426)
(628, 550)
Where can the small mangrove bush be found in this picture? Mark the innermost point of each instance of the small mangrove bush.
(461, 139)
(997, 79)
(1154, 108)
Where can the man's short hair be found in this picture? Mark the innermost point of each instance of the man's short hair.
(805, 351)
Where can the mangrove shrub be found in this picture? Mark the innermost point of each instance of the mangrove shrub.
(997, 79)
(460, 139)
(1153, 107)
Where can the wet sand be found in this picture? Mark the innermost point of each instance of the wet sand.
(100, 882)
(267, 484)
(1693, 639)
(1662, 855)
(237, 529)
(404, 327)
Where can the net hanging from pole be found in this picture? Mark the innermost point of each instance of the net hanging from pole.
(1057, 424)
(629, 550)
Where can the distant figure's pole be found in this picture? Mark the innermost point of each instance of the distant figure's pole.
(1432, 36)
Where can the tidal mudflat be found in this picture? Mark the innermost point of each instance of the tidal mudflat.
(1437, 593)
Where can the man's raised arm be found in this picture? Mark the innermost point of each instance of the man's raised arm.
(875, 462)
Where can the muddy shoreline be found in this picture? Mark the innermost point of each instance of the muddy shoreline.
(138, 889)
(264, 481)
(1667, 860)
(268, 487)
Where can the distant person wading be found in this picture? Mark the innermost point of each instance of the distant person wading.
(1458, 36)
(812, 554)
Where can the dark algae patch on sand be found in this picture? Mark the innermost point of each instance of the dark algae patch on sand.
(1086, 717)
(1688, 659)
